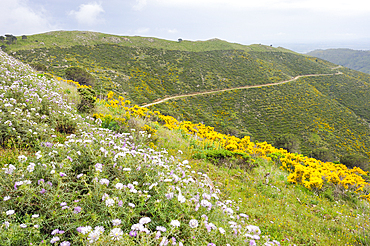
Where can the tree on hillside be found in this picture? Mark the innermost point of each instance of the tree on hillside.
(355, 160)
(38, 66)
(79, 75)
(290, 142)
(2, 38)
(322, 154)
(24, 37)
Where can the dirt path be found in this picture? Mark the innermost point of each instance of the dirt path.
(238, 88)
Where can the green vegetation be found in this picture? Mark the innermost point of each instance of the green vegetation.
(287, 141)
(39, 66)
(88, 99)
(81, 184)
(144, 70)
(65, 39)
(323, 154)
(355, 59)
(297, 108)
(355, 160)
(79, 75)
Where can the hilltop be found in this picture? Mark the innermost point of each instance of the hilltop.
(355, 59)
(66, 39)
(327, 113)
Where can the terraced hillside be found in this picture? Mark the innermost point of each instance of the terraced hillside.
(329, 112)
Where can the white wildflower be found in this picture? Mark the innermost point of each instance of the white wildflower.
(175, 223)
(22, 158)
(144, 220)
(119, 186)
(54, 239)
(193, 223)
(131, 205)
(109, 202)
(10, 212)
(104, 181)
(116, 234)
(116, 222)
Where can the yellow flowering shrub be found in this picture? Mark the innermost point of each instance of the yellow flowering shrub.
(149, 129)
(310, 172)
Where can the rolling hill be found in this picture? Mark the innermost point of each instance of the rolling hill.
(329, 111)
(355, 59)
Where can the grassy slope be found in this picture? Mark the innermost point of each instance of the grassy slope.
(354, 59)
(145, 74)
(144, 70)
(296, 107)
(72, 38)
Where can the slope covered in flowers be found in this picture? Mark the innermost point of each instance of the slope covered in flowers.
(312, 173)
(264, 188)
(91, 185)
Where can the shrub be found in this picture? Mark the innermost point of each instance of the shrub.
(88, 99)
(226, 158)
(289, 142)
(322, 154)
(79, 75)
(65, 125)
(38, 66)
(355, 160)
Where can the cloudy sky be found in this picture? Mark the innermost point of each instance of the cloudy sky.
(300, 25)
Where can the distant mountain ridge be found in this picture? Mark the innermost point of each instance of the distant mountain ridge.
(355, 59)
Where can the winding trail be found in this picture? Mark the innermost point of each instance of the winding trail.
(238, 88)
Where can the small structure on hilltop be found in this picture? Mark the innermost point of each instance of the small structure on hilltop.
(179, 40)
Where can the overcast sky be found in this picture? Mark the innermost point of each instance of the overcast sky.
(300, 25)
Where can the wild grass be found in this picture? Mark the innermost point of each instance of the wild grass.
(72, 38)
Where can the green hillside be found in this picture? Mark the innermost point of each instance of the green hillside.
(319, 120)
(330, 111)
(67, 178)
(65, 39)
(355, 59)
(145, 74)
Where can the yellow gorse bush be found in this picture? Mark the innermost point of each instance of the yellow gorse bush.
(311, 173)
